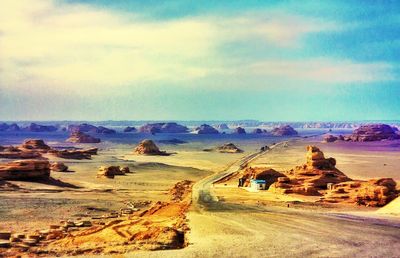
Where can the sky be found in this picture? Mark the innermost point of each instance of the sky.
(199, 60)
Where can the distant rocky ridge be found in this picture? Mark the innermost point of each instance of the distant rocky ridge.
(285, 130)
(239, 130)
(130, 129)
(88, 128)
(206, 129)
(367, 133)
(80, 137)
(222, 127)
(163, 128)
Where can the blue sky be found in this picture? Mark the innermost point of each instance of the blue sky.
(193, 60)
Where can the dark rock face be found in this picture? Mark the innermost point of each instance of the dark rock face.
(25, 169)
(373, 132)
(173, 141)
(286, 130)
(330, 138)
(229, 148)
(9, 128)
(222, 127)
(259, 131)
(206, 129)
(59, 167)
(163, 128)
(130, 129)
(33, 127)
(88, 128)
(79, 137)
(239, 130)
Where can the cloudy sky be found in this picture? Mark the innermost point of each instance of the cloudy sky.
(193, 60)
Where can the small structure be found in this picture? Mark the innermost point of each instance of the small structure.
(258, 184)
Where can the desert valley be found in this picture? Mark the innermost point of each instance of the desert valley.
(166, 189)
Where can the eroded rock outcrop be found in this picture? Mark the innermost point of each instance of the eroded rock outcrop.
(88, 128)
(111, 171)
(74, 154)
(259, 131)
(9, 127)
(373, 132)
(36, 145)
(239, 130)
(148, 147)
(130, 129)
(25, 170)
(330, 138)
(286, 130)
(206, 129)
(228, 148)
(269, 175)
(59, 167)
(80, 137)
(163, 128)
(33, 127)
(222, 127)
(312, 177)
(374, 192)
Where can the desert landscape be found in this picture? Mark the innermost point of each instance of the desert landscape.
(205, 128)
(196, 193)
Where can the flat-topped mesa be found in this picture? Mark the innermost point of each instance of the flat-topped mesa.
(312, 177)
(25, 170)
(12, 152)
(239, 130)
(373, 132)
(88, 128)
(206, 129)
(74, 154)
(80, 137)
(35, 145)
(374, 192)
(33, 127)
(148, 147)
(163, 128)
(286, 130)
(229, 148)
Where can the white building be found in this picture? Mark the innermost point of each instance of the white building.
(258, 184)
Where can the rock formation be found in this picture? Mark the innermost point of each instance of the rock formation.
(88, 128)
(33, 127)
(330, 138)
(36, 145)
(312, 177)
(222, 127)
(259, 131)
(229, 148)
(148, 147)
(374, 192)
(9, 128)
(206, 129)
(110, 171)
(130, 129)
(59, 167)
(163, 128)
(286, 130)
(25, 169)
(373, 132)
(239, 130)
(80, 137)
(16, 153)
(74, 154)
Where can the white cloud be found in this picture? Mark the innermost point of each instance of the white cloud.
(80, 48)
(324, 70)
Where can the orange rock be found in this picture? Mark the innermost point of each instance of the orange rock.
(25, 169)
